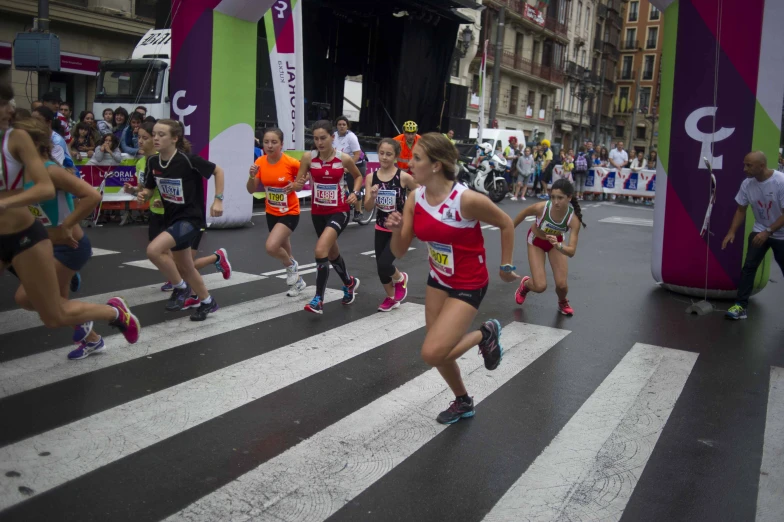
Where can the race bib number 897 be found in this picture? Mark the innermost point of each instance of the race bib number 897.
(442, 258)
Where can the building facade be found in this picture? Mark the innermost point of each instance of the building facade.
(637, 91)
(89, 31)
(581, 22)
(531, 59)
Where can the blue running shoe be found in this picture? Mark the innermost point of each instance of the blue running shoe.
(736, 312)
(490, 346)
(76, 282)
(167, 287)
(86, 349)
(315, 306)
(82, 331)
(350, 292)
(457, 410)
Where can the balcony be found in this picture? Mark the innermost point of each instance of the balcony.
(555, 26)
(522, 9)
(602, 11)
(614, 5)
(615, 19)
(627, 75)
(569, 116)
(630, 45)
(523, 65)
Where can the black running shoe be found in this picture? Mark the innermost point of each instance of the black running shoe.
(491, 348)
(177, 298)
(201, 312)
(457, 410)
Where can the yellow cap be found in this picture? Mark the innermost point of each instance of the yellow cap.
(546, 143)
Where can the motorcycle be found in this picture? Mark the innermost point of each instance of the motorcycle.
(488, 178)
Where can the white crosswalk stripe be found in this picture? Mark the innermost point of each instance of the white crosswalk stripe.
(87, 444)
(590, 469)
(770, 507)
(619, 220)
(372, 253)
(340, 462)
(26, 373)
(102, 252)
(18, 319)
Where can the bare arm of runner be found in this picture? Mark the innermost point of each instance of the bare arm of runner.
(402, 227)
(21, 147)
(216, 210)
(479, 207)
(352, 169)
(533, 210)
(371, 191)
(304, 169)
(407, 180)
(253, 183)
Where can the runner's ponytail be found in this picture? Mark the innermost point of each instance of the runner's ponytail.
(578, 211)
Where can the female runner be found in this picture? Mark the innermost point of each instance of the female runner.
(219, 258)
(386, 190)
(553, 221)
(276, 173)
(178, 176)
(72, 248)
(330, 211)
(25, 244)
(446, 215)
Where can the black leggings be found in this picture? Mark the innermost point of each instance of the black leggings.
(385, 259)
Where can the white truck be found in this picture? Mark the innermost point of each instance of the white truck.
(142, 80)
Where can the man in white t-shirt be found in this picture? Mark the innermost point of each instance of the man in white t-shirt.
(763, 189)
(619, 157)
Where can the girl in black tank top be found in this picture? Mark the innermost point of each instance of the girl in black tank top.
(388, 197)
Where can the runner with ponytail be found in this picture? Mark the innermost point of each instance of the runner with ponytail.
(554, 218)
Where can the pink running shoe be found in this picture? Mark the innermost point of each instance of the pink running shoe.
(191, 302)
(564, 308)
(401, 288)
(522, 292)
(388, 305)
(126, 322)
(222, 264)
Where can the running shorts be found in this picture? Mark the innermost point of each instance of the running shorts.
(74, 258)
(537, 241)
(290, 220)
(472, 297)
(11, 245)
(185, 234)
(338, 221)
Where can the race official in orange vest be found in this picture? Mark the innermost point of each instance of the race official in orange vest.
(407, 141)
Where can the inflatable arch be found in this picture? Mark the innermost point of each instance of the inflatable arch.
(213, 74)
(722, 86)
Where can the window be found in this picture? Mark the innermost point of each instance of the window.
(130, 83)
(645, 99)
(655, 13)
(620, 130)
(475, 83)
(513, 98)
(641, 133)
(543, 107)
(653, 38)
(631, 39)
(144, 8)
(587, 18)
(535, 53)
(626, 68)
(647, 68)
(579, 12)
(634, 11)
(574, 54)
(529, 111)
(584, 57)
(623, 99)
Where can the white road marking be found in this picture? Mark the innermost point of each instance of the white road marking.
(770, 507)
(88, 444)
(26, 373)
(317, 477)
(102, 252)
(372, 253)
(304, 272)
(17, 320)
(283, 271)
(619, 220)
(590, 469)
(143, 263)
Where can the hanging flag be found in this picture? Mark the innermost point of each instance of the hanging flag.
(284, 36)
(482, 78)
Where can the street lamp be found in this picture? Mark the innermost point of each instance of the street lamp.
(466, 37)
(584, 87)
(653, 117)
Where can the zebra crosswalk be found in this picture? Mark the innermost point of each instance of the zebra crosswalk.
(263, 412)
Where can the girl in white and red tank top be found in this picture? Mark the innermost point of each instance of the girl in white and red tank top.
(331, 202)
(446, 216)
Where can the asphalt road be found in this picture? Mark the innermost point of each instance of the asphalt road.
(629, 410)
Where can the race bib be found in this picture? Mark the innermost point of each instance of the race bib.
(442, 258)
(40, 215)
(278, 199)
(171, 190)
(325, 195)
(386, 200)
(550, 232)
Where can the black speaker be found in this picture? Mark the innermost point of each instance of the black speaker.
(457, 100)
(461, 126)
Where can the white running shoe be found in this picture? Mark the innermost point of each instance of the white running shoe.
(294, 290)
(292, 273)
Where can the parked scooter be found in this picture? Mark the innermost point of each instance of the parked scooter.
(488, 177)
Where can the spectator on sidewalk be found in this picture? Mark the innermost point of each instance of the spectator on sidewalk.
(60, 150)
(129, 141)
(763, 189)
(83, 144)
(653, 160)
(120, 122)
(525, 169)
(450, 135)
(65, 110)
(106, 125)
(108, 152)
(52, 101)
(581, 165)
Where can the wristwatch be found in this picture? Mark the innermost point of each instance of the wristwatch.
(357, 193)
(769, 230)
(219, 196)
(507, 268)
(560, 246)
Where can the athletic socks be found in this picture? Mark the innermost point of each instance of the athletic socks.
(322, 274)
(398, 280)
(180, 285)
(340, 268)
(207, 301)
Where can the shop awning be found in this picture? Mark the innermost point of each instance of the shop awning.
(5, 53)
(79, 63)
